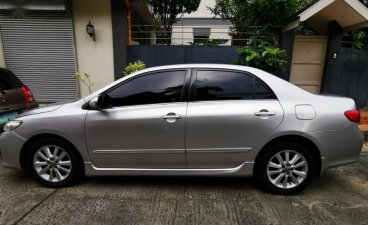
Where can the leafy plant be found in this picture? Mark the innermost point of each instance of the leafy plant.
(356, 39)
(85, 79)
(209, 42)
(134, 67)
(263, 56)
(255, 17)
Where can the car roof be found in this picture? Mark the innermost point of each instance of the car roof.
(199, 65)
(280, 87)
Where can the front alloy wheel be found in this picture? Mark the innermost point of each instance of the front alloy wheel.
(54, 162)
(286, 168)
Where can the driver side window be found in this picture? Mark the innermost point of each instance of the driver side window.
(154, 88)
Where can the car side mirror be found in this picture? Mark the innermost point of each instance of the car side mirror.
(94, 103)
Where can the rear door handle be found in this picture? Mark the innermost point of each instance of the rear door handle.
(264, 113)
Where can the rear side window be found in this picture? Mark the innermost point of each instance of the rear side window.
(8, 80)
(227, 85)
(160, 87)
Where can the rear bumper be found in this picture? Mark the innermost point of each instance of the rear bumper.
(10, 148)
(338, 147)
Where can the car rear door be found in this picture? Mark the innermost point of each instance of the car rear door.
(229, 114)
(143, 124)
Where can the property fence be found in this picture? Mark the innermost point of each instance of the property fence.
(183, 34)
(168, 55)
(348, 75)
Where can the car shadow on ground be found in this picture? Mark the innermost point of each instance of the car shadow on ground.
(326, 181)
(173, 180)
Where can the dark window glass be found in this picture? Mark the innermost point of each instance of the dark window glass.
(261, 92)
(8, 80)
(153, 88)
(223, 85)
(227, 85)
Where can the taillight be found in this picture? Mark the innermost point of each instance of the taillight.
(28, 94)
(353, 115)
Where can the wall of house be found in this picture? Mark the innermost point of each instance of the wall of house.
(183, 34)
(94, 57)
(2, 57)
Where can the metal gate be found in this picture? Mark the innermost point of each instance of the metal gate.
(39, 49)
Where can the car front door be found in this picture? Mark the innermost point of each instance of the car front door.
(229, 114)
(142, 125)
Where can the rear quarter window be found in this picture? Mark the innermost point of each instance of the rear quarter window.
(8, 80)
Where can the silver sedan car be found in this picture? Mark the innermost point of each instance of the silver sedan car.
(192, 120)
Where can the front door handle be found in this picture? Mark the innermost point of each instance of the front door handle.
(264, 112)
(172, 117)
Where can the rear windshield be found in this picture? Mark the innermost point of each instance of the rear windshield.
(8, 80)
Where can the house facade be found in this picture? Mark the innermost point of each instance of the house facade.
(44, 42)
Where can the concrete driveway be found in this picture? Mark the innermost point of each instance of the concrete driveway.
(338, 197)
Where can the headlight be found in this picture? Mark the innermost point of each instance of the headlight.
(12, 125)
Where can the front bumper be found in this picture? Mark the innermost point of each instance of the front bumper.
(21, 110)
(10, 147)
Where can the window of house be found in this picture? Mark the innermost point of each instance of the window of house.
(200, 35)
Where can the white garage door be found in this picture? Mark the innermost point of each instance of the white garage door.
(39, 49)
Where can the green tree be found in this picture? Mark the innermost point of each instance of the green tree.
(359, 38)
(261, 18)
(167, 12)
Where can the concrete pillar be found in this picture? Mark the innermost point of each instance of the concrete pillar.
(334, 32)
(287, 43)
(119, 34)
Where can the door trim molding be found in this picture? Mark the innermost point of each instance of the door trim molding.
(140, 151)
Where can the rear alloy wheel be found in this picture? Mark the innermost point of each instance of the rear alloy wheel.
(286, 168)
(54, 163)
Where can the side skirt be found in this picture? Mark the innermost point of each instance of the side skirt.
(245, 170)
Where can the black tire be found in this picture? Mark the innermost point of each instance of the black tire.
(75, 168)
(263, 162)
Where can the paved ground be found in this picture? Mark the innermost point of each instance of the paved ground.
(339, 197)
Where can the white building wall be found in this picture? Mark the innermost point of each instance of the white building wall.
(94, 57)
(183, 35)
(2, 56)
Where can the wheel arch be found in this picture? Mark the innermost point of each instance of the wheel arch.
(293, 139)
(24, 153)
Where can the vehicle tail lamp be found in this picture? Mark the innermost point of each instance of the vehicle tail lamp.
(353, 115)
(28, 94)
